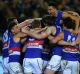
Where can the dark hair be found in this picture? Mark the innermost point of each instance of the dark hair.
(21, 19)
(11, 24)
(54, 4)
(69, 23)
(49, 20)
(35, 24)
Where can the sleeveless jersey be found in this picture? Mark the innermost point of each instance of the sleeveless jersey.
(46, 51)
(58, 19)
(57, 49)
(15, 47)
(70, 53)
(34, 48)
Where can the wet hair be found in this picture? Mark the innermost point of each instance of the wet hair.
(12, 23)
(35, 24)
(48, 20)
(53, 4)
(69, 23)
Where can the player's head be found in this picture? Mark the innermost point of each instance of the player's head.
(69, 23)
(13, 27)
(35, 24)
(48, 20)
(52, 8)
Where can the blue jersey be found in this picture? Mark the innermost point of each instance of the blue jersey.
(70, 53)
(45, 55)
(34, 48)
(15, 47)
(58, 30)
(57, 49)
(46, 51)
(5, 43)
(59, 18)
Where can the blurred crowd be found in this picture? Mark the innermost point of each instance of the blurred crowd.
(31, 9)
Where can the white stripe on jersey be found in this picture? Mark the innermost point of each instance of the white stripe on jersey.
(39, 46)
(15, 53)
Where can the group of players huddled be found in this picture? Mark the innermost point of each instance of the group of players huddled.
(49, 44)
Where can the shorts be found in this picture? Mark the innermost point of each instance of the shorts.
(15, 67)
(45, 63)
(55, 63)
(70, 67)
(5, 65)
(33, 65)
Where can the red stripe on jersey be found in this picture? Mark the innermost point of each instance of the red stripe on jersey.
(15, 49)
(5, 43)
(70, 48)
(40, 42)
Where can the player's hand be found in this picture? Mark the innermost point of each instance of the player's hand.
(73, 43)
(50, 37)
(25, 29)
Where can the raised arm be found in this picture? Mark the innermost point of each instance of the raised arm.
(28, 22)
(74, 16)
(73, 13)
(70, 14)
(39, 35)
(24, 23)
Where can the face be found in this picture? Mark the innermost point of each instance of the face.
(51, 10)
(15, 29)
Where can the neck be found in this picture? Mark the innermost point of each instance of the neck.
(55, 13)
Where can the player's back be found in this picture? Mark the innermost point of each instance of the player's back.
(34, 48)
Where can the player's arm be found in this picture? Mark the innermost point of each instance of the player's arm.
(74, 16)
(23, 40)
(59, 37)
(70, 14)
(50, 37)
(24, 23)
(27, 22)
(62, 42)
(24, 48)
(77, 42)
(41, 30)
(77, 31)
(37, 35)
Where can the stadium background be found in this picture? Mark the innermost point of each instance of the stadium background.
(22, 9)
